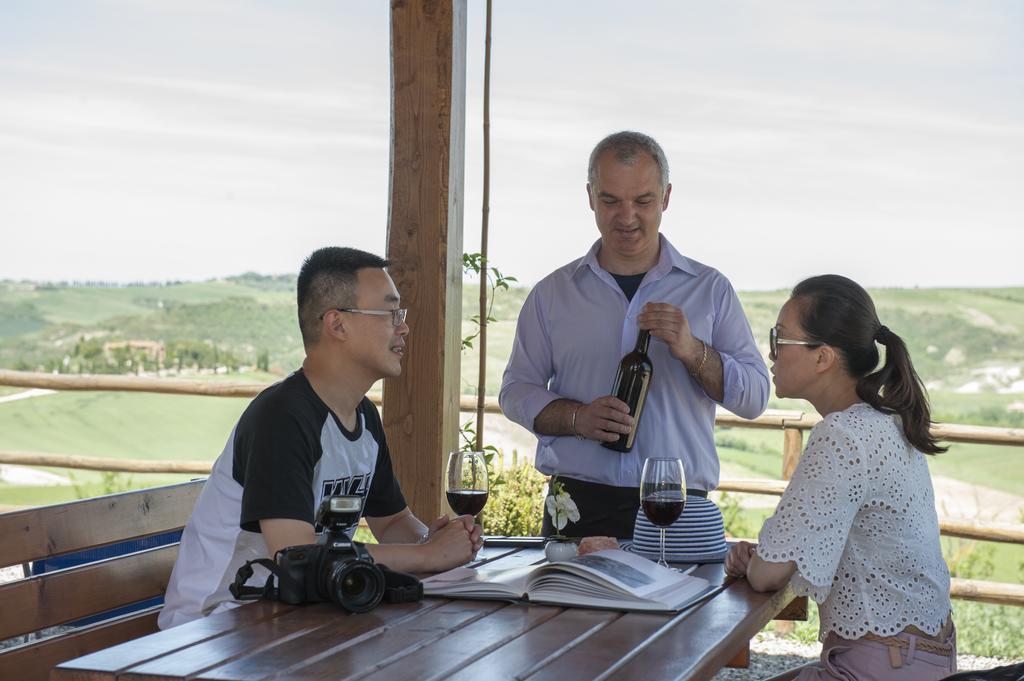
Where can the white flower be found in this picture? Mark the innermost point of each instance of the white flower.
(562, 509)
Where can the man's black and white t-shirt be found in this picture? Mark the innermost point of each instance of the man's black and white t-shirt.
(286, 453)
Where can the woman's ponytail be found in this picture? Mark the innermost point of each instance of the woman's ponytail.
(837, 311)
(896, 388)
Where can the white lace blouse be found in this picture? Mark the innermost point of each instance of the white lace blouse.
(858, 519)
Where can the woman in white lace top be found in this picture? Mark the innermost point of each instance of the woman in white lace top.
(856, 529)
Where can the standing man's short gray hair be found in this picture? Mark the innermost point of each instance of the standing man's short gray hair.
(626, 145)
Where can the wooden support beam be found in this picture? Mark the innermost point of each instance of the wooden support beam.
(741, 660)
(796, 610)
(998, 593)
(428, 102)
(792, 447)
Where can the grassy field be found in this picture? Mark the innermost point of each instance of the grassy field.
(1000, 467)
(122, 425)
(83, 484)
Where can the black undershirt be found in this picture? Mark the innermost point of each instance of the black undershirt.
(629, 283)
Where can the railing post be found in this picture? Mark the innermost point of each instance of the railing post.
(792, 446)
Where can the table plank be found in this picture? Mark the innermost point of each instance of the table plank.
(107, 663)
(600, 654)
(699, 645)
(271, 639)
(489, 553)
(329, 631)
(270, 633)
(594, 654)
(536, 647)
(443, 638)
(348, 661)
(511, 559)
(443, 657)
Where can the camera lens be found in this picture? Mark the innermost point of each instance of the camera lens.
(356, 585)
(353, 584)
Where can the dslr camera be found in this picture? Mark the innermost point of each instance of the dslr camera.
(334, 569)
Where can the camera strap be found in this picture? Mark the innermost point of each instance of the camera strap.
(241, 592)
(400, 587)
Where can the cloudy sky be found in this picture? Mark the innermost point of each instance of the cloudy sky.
(187, 139)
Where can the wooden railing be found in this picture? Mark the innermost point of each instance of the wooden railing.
(791, 423)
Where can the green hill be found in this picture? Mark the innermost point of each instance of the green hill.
(41, 325)
(955, 335)
(968, 344)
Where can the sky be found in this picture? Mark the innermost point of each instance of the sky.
(188, 139)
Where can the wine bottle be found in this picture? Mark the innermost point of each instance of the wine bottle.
(631, 383)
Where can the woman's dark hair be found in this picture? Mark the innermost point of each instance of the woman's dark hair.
(837, 311)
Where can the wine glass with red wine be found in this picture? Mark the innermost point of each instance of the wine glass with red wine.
(467, 482)
(662, 494)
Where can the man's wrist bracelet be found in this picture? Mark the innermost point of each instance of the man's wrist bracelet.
(703, 360)
(572, 424)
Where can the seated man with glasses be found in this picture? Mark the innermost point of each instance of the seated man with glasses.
(313, 435)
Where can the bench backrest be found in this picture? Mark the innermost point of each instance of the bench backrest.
(55, 598)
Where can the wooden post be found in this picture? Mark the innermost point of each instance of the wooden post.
(428, 102)
(741, 660)
(792, 446)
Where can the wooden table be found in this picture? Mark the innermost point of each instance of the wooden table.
(460, 640)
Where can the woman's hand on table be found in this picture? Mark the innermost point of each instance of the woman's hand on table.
(738, 559)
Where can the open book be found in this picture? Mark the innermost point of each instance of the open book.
(606, 579)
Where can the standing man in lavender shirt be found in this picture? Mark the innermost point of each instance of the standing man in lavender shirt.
(580, 320)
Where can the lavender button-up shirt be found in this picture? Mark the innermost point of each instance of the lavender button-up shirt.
(574, 328)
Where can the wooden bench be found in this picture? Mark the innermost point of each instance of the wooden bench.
(56, 598)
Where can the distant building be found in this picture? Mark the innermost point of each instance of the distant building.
(154, 350)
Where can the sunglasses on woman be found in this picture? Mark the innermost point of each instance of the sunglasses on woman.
(774, 342)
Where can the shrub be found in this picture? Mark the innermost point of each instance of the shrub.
(737, 521)
(111, 482)
(989, 630)
(515, 506)
(967, 559)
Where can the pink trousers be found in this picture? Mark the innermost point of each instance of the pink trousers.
(867, 660)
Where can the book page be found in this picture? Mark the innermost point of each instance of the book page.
(624, 572)
(606, 579)
(479, 582)
(614, 579)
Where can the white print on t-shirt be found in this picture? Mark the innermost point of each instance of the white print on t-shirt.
(354, 484)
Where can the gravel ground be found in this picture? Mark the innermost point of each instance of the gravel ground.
(770, 655)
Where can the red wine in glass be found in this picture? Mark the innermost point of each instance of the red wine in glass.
(662, 494)
(663, 508)
(467, 501)
(466, 482)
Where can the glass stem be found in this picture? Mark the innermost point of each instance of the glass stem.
(663, 562)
